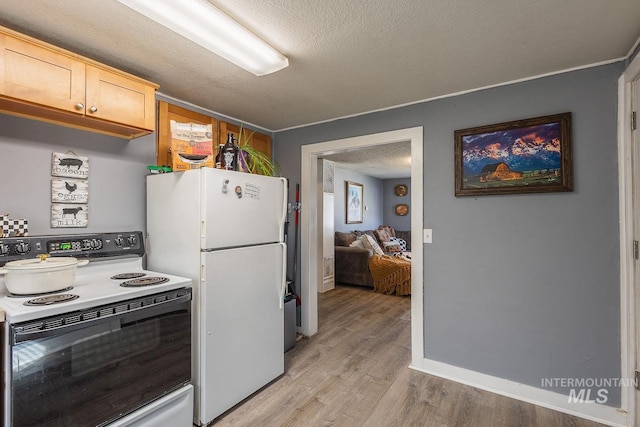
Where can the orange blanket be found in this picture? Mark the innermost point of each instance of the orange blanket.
(390, 275)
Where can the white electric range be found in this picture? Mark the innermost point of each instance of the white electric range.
(114, 349)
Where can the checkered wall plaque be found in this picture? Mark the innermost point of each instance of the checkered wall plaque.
(14, 227)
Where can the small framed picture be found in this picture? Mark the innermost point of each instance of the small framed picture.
(354, 202)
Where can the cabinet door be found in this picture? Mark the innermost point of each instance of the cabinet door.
(259, 141)
(117, 98)
(168, 112)
(40, 75)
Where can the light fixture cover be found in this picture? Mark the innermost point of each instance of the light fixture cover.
(204, 24)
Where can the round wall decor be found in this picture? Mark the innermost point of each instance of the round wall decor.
(402, 209)
(401, 190)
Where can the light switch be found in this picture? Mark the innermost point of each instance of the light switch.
(427, 235)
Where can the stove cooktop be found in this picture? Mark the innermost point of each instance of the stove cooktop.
(51, 299)
(97, 283)
(93, 287)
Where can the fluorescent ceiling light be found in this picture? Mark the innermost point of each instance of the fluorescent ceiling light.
(202, 23)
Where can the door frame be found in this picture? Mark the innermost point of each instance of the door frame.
(629, 316)
(311, 234)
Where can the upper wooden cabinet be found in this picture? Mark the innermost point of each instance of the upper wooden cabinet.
(43, 82)
(34, 74)
(259, 141)
(112, 96)
(168, 112)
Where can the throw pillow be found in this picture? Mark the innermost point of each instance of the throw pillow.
(371, 233)
(383, 235)
(371, 244)
(390, 230)
(356, 244)
(406, 236)
(344, 239)
(401, 242)
(391, 247)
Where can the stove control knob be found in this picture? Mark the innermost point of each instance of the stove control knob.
(119, 241)
(22, 248)
(132, 240)
(4, 249)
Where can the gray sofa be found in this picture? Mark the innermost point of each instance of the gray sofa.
(352, 263)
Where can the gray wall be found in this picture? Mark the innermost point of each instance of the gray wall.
(372, 194)
(117, 170)
(521, 287)
(402, 223)
(118, 167)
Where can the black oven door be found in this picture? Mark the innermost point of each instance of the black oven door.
(92, 367)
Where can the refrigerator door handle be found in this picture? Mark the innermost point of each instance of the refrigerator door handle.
(283, 220)
(283, 285)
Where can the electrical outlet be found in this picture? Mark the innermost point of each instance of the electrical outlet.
(427, 235)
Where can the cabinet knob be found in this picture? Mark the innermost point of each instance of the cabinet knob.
(93, 109)
(79, 106)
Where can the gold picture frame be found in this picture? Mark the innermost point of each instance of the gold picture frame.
(402, 209)
(401, 190)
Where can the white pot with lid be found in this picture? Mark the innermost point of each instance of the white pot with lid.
(40, 275)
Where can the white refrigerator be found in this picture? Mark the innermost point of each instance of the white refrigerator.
(225, 231)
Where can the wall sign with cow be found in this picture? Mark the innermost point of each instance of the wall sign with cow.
(69, 196)
(63, 215)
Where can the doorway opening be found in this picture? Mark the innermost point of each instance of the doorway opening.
(629, 200)
(311, 227)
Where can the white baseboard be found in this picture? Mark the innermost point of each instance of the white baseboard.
(549, 399)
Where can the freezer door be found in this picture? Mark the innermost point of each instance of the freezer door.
(242, 319)
(241, 209)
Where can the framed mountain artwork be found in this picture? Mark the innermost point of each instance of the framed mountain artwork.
(524, 156)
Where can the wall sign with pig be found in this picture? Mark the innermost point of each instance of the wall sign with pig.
(70, 165)
(69, 197)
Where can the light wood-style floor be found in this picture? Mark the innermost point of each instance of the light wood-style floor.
(354, 372)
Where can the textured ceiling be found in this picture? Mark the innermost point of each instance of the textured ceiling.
(381, 161)
(346, 57)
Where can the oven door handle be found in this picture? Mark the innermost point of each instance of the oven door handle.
(154, 311)
(179, 304)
